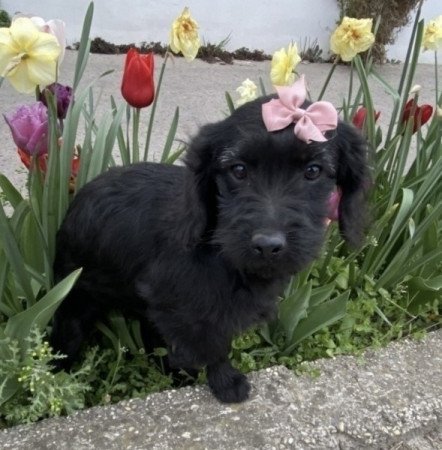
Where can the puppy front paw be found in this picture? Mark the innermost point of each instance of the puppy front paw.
(227, 384)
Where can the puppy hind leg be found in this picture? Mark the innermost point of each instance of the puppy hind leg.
(152, 340)
(227, 384)
(73, 322)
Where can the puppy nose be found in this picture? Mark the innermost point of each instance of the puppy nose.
(269, 244)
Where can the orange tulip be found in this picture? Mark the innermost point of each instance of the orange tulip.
(137, 86)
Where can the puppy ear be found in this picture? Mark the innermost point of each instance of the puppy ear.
(200, 204)
(353, 178)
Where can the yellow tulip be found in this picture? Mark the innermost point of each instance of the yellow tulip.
(284, 63)
(184, 36)
(352, 36)
(247, 91)
(432, 39)
(28, 57)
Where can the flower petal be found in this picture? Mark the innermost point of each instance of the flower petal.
(23, 32)
(19, 78)
(45, 46)
(42, 71)
(7, 50)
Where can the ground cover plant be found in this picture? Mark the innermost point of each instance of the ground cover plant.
(344, 302)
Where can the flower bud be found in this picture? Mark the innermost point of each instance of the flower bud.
(415, 89)
(63, 96)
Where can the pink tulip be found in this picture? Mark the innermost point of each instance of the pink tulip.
(29, 127)
(333, 205)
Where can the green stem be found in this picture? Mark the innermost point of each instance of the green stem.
(350, 87)
(327, 80)
(135, 132)
(154, 107)
(128, 115)
(410, 49)
(368, 101)
(436, 83)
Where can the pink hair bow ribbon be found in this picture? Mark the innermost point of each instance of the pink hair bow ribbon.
(310, 123)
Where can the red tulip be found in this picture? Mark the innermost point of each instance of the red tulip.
(360, 116)
(137, 86)
(421, 114)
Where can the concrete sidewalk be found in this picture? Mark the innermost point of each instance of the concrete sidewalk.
(388, 399)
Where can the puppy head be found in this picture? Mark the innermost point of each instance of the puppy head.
(262, 197)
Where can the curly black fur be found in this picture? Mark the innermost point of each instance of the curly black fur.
(200, 253)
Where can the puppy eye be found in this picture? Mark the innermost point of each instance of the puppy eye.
(239, 171)
(312, 171)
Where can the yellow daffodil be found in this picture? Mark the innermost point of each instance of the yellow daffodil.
(283, 66)
(247, 91)
(432, 39)
(28, 57)
(184, 36)
(55, 27)
(352, 36)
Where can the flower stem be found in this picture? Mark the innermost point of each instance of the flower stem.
(436, 84)
(135, 131)
(327, 80)
(154, 107)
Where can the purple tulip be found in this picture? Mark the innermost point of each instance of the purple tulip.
(63, 95)
(29, 127)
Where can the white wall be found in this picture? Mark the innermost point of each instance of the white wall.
(257, 24)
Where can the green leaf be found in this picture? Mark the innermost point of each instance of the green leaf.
(85, 44)
(174, 156)
(12, 195)
(403, 216)
(262, 87)
(124, 151)
(110, 335)
(104, 141)
(170, 136)
(434, 284)
(424, 292)
(388, 88)
(293, 308)
(264, 331)
(19, 326)
(119, 324)
(15, 258)
(230, 103)
(431, 237)
(8, 387)
(8, 384)
(319, 317)
(321, 294)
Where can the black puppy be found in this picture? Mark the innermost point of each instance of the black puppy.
(200, 253)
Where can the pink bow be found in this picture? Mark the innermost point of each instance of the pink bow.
(310, 123)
